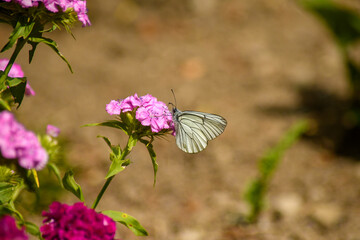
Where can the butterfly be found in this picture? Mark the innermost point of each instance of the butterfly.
(194, 129)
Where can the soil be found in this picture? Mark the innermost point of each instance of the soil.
(263, 65)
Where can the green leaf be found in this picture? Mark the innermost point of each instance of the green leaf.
(343, 22)
(37, 32)
(152, 154)
(254, 196)
(131, 142)
(129, 221)
(269, 162)
(106, 140)
(71, 185)
(6, 192)
(33, 229)
(10, 210)
(10, 183)
(117, 166)
(52, 44)
(53, 168)
(21, 30)
(32, 50)
(112, 123)
(18, 92)
(4, 105)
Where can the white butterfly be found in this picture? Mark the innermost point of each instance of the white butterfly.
(194, 129)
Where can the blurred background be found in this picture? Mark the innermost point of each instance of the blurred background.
(261, 64)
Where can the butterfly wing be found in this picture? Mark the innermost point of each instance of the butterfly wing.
(194, 129)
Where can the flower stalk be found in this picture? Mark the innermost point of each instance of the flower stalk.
(19, 45)
(130, 144)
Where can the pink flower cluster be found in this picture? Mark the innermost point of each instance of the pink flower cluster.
(79, 6)
(149, 111)
(18, 143)
(76, 222)
(16, 72)
(9, 230)
(52, 131)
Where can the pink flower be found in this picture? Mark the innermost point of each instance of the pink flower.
(28, 90)
(9, 230)
(149, 111)
(130, 103)
(76, 222)
(52, 131)
(18, 143)
(54, 6)
(80, 9)
(113, 108)
(155, 115)
(15, 71)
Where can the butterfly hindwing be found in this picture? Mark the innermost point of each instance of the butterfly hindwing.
(194, 129)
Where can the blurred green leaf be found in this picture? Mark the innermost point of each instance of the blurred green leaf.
(17, 89)
(54, 169)
(21, 30)
(10, 182)
(4, 105)
(33, 229)
(343, 22)
(354, 77)
(255, 192)
(71, 185)
(129, 221)
(10, 210)
(117, 165)
(152, 154)
(269, 162)
(112, 123)
(6, 192)
(106, 140)
(52, 44)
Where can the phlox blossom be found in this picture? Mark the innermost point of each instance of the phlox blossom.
(18, 143)
(78, 222)
(9, 230)
(149, 111)
(54, 6)
(52, 131)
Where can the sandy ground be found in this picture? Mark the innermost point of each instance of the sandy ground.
(250, 61)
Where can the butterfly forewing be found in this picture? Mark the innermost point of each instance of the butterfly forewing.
(194, 129)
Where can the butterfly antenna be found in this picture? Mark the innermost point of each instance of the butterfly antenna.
(174, 98)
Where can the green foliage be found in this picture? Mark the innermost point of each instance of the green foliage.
(33, 229)
(72, 186)
(136, 132)
(127, 220)
(256, 190)
(344, 24)
(10, 184)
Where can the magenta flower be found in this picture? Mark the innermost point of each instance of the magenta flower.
(113, 108)
(18, 143)
(155, 115)
(79, 6)
(9, 230)
(52, 131)
(76, 222)
(28, 90)
(16, 72)
(129, 103)
(149, 111)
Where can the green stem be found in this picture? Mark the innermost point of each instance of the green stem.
(19, 45)
(130, 144)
